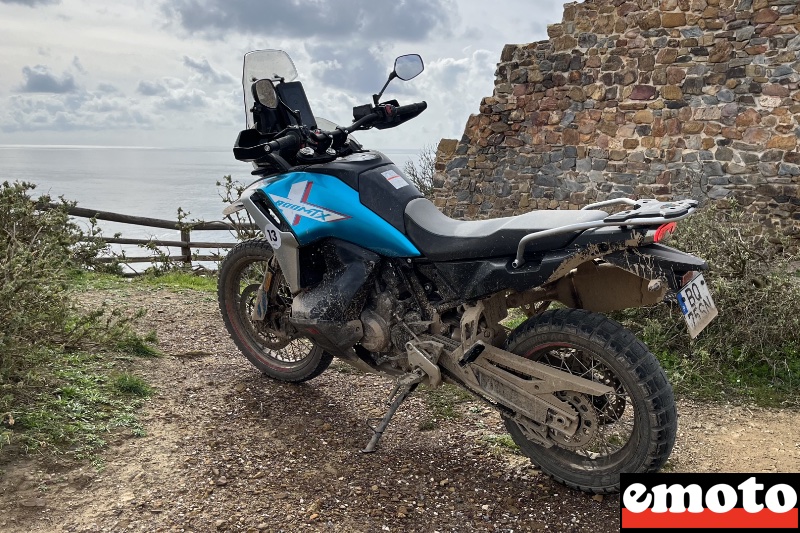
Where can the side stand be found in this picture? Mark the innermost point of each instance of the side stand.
(405, 386)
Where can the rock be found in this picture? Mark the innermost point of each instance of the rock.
(643, 92)
(756, 136)
(765, 16)
(649, 20)
(693, 85)
(675, 75)
(788, 142)
(673, 20)
(667, 56)
(33, 502)
(776, 90)
(671, 92)
(644, 116)
(721, 51)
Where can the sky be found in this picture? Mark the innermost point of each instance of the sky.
(167, 73)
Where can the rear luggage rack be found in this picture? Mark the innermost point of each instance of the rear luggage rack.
(644, 213)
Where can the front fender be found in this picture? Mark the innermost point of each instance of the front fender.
(238, 205)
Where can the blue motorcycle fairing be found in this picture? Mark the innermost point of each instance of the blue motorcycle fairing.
(316, 206)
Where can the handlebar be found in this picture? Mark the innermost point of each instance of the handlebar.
(290, 140)
(410, 109)
(384, 113)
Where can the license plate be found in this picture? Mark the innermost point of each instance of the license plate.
(697, 305)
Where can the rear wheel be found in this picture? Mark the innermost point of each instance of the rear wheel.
(268, 344)
(630, 430)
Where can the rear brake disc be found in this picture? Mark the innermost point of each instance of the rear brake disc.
(587, 422)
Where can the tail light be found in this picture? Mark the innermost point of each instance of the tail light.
(664, 232)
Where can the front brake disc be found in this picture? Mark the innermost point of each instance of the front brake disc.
(268, 330)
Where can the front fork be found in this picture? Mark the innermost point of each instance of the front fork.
(262, 296)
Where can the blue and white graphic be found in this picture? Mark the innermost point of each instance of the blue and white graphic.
(296, 205)
(317, 206)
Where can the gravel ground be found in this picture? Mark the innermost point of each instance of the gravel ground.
(229, 450)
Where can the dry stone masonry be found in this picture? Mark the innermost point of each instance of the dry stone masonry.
(666, 99)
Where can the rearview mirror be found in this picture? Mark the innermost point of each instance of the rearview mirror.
(408, 66)
(405, 67)
(264, 94)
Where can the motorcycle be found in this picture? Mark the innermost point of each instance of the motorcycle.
(355, 263)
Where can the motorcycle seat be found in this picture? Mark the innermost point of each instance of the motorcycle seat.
(441, 238)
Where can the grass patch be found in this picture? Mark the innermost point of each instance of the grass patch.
(442, 404)
(180, 280)
(515, 318)
(173, 279)
(134, 344)
(58, 390)
(133, 385)
(502, 443)
(71, 404)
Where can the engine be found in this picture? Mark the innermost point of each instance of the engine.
(390, 318)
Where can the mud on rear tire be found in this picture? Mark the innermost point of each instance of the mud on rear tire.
(241, 273)
(600, 349)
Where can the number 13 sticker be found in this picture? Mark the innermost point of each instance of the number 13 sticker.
(273, 235)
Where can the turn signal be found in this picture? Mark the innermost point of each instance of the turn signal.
(664, 232)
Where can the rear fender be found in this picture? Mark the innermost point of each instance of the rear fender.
(623, 279)
(658, 262)
(603, 287)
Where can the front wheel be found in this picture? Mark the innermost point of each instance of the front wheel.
(630, 430)
(267, 343)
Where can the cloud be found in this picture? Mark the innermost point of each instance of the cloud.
(207, 72)
(76, 62)
(79, 111)
(401, 20)
(39, 79)
(185, 100)
(31, 3)
(107, 88)
(151, 88)
(348, 67)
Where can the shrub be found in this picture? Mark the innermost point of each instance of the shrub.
(231, 190)
(35, 255)
(52, 392)
(421, 172)
(754, 343)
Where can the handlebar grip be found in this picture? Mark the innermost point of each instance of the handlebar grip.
(410, 109)
(288, 141)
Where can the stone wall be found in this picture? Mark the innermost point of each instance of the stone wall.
(666, 99)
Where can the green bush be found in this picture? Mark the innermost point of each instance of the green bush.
(39, 249)
(753, 346)
(53, 391)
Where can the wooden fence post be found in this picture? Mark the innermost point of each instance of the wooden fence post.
(186, 250)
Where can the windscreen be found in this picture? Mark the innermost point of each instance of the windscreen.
(264, 64)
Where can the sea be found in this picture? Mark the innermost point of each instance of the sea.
(135, 180)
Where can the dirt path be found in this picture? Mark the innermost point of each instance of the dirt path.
(227, 449)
